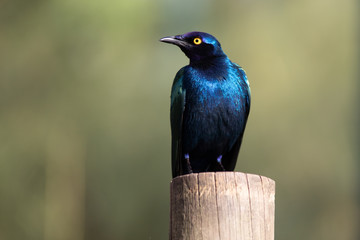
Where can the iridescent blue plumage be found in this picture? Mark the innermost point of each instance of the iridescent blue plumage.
(210, 103)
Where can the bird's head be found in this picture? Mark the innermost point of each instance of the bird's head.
(197, 46)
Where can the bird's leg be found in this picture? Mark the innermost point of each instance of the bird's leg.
(188, 165)
(219, 161)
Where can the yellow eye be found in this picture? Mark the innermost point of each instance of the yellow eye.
(197, 41)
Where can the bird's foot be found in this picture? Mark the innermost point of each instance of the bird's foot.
(219, 162)
(188, 165)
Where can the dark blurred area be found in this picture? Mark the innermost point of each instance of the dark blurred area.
(84, 112)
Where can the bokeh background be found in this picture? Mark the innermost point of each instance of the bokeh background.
(84, 112)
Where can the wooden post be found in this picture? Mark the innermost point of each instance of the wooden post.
(222, 206)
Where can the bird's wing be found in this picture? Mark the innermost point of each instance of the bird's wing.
(231, 156)
(176, 118)
(244, 79)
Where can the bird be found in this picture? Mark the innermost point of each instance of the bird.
(210, 104)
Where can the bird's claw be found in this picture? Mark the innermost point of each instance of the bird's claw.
(219, 161)
(188, 165)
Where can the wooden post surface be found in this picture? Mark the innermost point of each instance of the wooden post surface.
(222, 206)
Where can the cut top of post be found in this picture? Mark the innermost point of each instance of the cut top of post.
(222, 205)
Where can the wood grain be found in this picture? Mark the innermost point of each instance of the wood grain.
(222, 206)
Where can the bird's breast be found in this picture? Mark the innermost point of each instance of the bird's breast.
(214, 113)
(208, 95)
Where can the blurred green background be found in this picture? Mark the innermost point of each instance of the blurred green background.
(84, 112)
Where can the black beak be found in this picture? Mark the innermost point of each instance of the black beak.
(177, 40)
